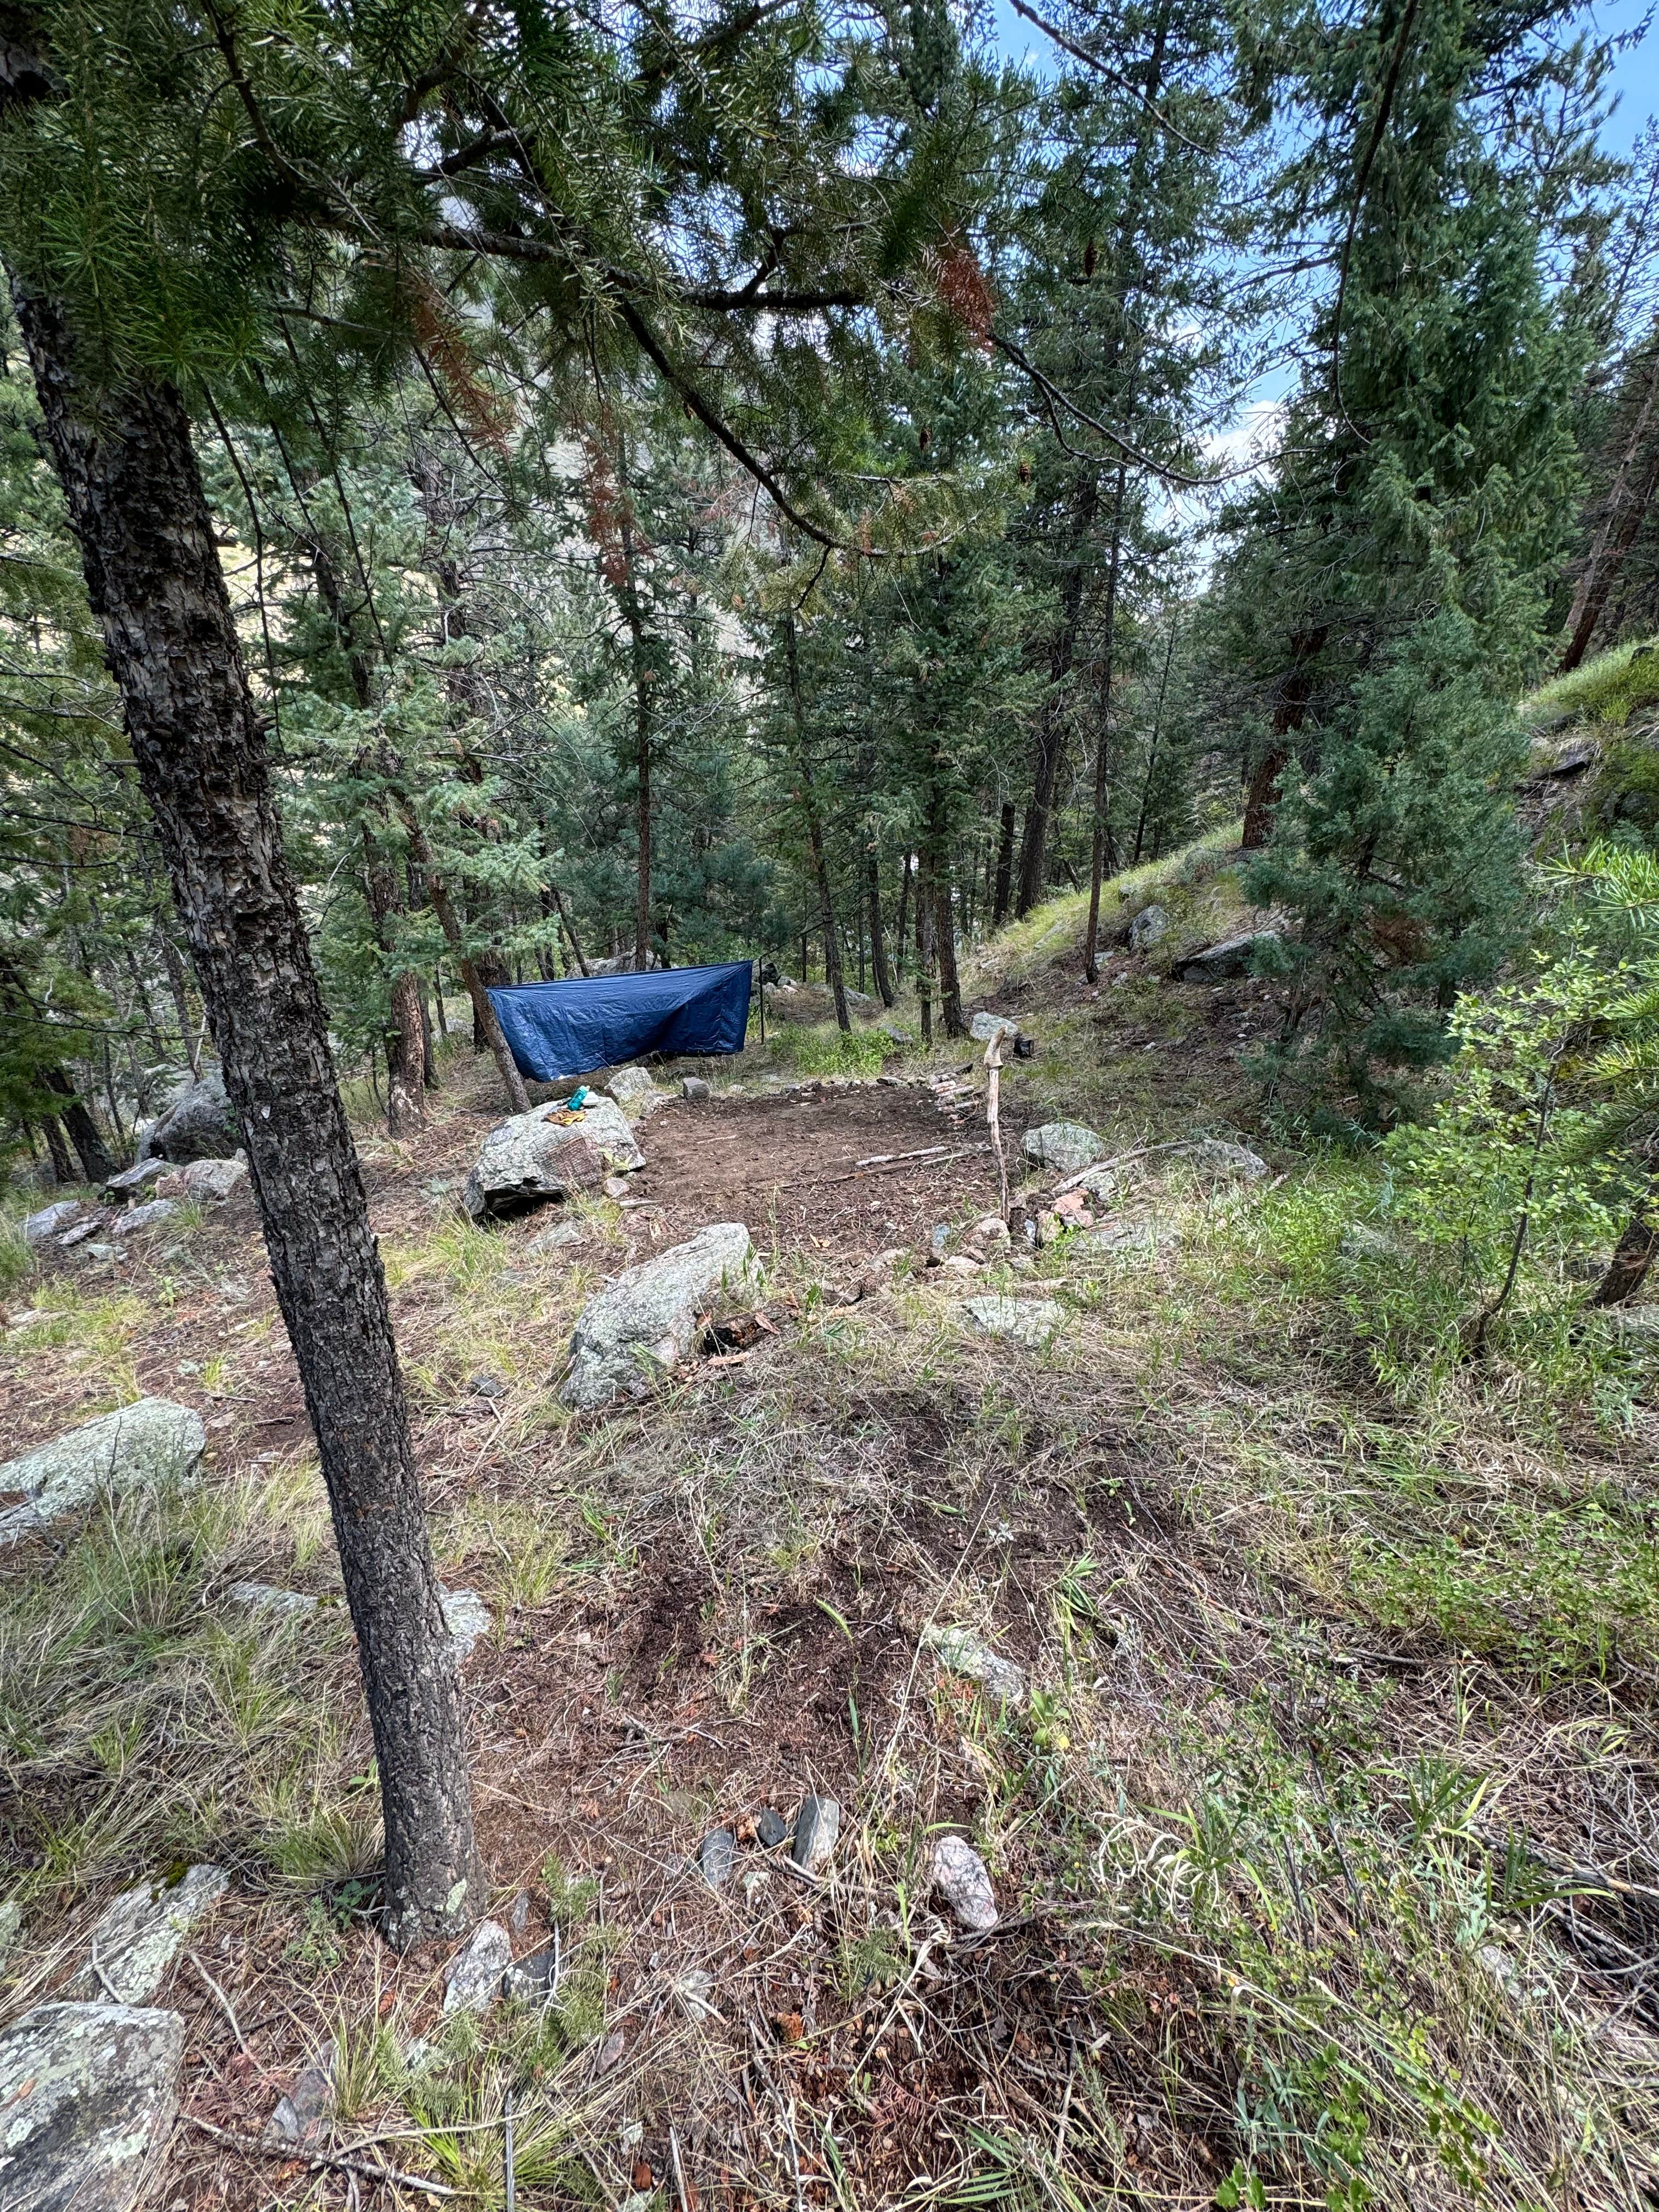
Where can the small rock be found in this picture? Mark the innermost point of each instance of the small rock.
(519, 1919)
(1032, 1322)
(718, 1856)
(271, 1597)
(487, 1385)
(534, 1980)
(990, 1229)
(938, 1243)
(152, 1216)
(139, 1935)
(965, 1654)
(89, 2093)
(983, 1027)
(1148, 926)
(106, 1251)
(152, 1445)
(550, 1240)
(297, 2122)
(615, 1186)
(960, 1877)
(817, 1824)
(693, 1086)
(39, 1228)
(81, 1232)
(134, 1178)
(467, 1618)
(474, 1980)
(11, 1920)
(771, 1828)
(611, 2051)
(960, 1264)
(1062, 1147)
(646, 1319)
(695, 1991)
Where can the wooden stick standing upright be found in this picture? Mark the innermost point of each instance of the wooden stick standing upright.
(993, 1086)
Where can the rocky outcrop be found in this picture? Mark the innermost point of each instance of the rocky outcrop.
(154, 1444)
(137, 1937)
(41, 1228)
(964, 1653)
(984, 1026)
(550, 1153)
(87, 2096)
(646, 1320)
(199, 1124)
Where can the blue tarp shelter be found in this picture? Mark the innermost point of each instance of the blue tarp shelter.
(557, 1030)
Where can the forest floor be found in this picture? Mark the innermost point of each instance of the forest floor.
(1325, 1846)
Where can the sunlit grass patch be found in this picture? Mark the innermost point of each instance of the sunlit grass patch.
(826, 1050)
(1608, 690)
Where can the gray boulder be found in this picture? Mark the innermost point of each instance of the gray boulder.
(271, 1597)
(39, 1228)
(88, 2093)
(154, 1213)
(538, 1156)
(154, 1444)
(983, 1027)
(199, 1124)
(648, 1317)
(1234, 956)
(633, 1091)
(213, 1179)
(132, 1180)
(1062, 1147)
(1149, 925)
(1224, 1162)
(1028, 1322)
(138, 1936)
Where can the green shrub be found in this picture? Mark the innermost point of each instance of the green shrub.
(828, 1051)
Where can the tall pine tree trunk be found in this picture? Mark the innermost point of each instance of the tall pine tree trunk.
(1102, 835)
(884, 974)
(1005, 865)
(1629, 497)
(833, 975)
(129, 474)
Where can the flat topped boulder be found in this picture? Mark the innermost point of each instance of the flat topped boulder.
(1062, 1147)
(550, 1152)
(87, 2097)
(648, 1318)
(50, 1221)
(154, 1444)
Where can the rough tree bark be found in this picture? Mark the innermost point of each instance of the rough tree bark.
(1633, 1256)
(135, 500)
